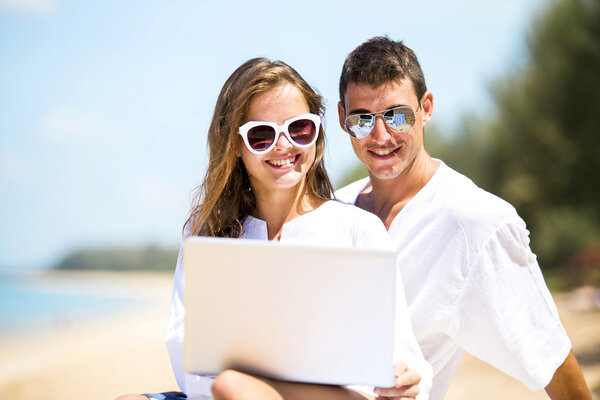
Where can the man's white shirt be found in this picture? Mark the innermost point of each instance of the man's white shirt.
(472, 283)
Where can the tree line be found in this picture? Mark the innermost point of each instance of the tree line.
(146, 258)
(537, 149)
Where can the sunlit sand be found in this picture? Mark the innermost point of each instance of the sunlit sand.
(124, 352)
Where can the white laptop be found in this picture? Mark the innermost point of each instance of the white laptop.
(289, 311)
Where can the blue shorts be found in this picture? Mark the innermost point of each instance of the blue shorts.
(167, 396)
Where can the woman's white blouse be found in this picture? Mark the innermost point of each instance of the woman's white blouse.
(332, 224)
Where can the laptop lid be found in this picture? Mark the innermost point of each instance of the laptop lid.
(289, 311)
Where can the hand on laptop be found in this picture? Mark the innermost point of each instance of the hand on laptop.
(407, 384)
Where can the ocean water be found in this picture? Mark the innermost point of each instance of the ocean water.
(28, 302)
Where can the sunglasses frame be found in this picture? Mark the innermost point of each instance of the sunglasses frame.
(375, 115)
(244, 129)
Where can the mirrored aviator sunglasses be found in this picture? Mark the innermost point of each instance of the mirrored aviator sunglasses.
(260, 137)
(400, 119)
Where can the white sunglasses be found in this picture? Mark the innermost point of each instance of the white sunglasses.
(261, 136)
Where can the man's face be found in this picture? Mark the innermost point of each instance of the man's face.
(385, 152)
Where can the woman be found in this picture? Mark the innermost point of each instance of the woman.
(266, 180)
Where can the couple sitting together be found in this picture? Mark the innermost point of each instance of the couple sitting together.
(471, 282)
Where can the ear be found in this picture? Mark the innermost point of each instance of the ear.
(342, 115)
(427, 107)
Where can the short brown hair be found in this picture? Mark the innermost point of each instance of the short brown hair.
(381, 60)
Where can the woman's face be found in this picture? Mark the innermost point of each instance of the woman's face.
(286, 165)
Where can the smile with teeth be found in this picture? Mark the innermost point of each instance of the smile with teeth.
(282, 162)
(383, 152)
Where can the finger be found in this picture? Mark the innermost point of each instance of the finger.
(387, 392)
(408, 378)
(395, 398)
(399, 368)
(407, 391)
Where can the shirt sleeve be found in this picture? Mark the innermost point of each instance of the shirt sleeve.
(194, 386)
(505, 314)
(175, 326)
(406, 347)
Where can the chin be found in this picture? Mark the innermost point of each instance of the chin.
(288, 182)
(384, 173)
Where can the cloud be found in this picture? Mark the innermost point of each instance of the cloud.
(72, 126)
(68, 126)
(14, 167)
(159, 195)
(29, 7)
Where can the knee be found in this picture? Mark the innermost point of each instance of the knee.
(228, 385)
(132, 397)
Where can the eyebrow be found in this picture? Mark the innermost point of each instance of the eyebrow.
(365, 111)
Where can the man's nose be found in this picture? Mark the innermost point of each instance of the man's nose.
(380, 133)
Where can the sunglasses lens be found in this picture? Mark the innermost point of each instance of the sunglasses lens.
(359, 126)
(302, 131)
(261, 137)
(400, 119)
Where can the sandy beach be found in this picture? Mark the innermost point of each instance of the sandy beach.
(581, 319)
(101, 359)
(124, 352)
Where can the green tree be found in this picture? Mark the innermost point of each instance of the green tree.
(147, 258)
(539, 148)
(547, 134)
(552, 107)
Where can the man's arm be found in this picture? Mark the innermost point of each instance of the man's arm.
(568, 382)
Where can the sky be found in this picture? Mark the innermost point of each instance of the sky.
(105, 105)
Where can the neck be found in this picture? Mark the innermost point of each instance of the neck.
(387, 197)
(276, 207)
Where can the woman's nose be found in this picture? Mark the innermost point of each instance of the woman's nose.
(283, 142)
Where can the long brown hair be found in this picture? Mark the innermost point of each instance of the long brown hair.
(225, 199)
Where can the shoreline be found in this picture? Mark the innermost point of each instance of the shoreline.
(101, 357)
(123, 352)
(103, 294)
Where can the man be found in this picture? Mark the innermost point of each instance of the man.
(472, 282)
